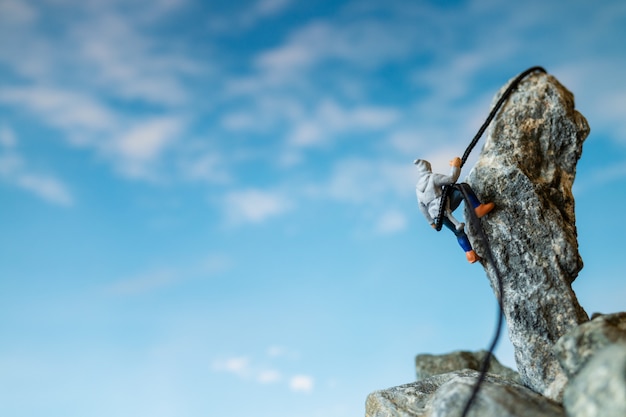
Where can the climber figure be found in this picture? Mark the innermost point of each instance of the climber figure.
(429, 188)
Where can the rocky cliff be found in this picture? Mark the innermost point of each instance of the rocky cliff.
(527, 168)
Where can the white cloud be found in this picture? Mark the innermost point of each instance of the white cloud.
(14, 12)
(46, 187)
(206, 166)
(7, 137)
(271, 7)
(600, 176)
(10, 164)
(239, 366)
(282, 352)
(144, 283)
(167, 276)
(301, 383)
(15, 171)
(330, 119)
(359, 180)
(254, 206)
(391, 221)
(269, 376)
(61, 108)
(266, 371)
(365, 42)
(148, 139)
(247, 17)
(276, 351)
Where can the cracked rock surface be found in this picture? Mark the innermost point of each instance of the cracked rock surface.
(527, 168)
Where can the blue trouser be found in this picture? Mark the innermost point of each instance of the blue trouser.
(455, 198)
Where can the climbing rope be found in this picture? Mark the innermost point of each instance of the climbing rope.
(476, 225)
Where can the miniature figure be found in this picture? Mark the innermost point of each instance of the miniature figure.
(429, 189)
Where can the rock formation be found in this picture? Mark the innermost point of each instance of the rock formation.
(575, 348)
(527, 169)
(427, 365)
(445, 395)
(568, 365)
(599, 390)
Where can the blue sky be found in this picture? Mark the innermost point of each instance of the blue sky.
(207, 208)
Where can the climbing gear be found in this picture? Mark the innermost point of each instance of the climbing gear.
(476, 225)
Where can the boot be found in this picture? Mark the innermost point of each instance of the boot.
(483, 209)
(471, 256)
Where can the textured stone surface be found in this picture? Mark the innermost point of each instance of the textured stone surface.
(599, 389)
(445, 395)
(527, 168)
(427, 365)
(578, 346)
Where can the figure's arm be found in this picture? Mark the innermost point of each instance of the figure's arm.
(424, 211)
(440, 180)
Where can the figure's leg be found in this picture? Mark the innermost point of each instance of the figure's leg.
(455, 198)
(474, 201)
(453, 201)
(457, 224)
(463, 240)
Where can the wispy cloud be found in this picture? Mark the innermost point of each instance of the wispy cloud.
(248, 16)
(7, 137)
(330, 119)
(17, 11)
(144, 283)
(302, 383)
(239, 366)
(15, 170)
(46, 187)
(263, 372)
(611, 173)
(254, 205)
(130, 64)
(365, 42)
(160, 277)
(361, 180)
(269, 376)
(60, 108)
(391, 221)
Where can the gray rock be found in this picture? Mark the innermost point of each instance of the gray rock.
(527, 168)
(599, 389)
(576, 347)
(427, 365)
(445, 395)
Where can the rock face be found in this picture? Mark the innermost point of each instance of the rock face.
(594, 357)
(599, 389)
(574, 349)
(445, 395)
(427, 365)
(527, 169)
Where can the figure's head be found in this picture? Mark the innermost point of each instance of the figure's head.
(422, 165)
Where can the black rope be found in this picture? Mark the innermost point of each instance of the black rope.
(446, 189)
(477, 225)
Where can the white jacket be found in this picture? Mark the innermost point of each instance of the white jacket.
(429, 188)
